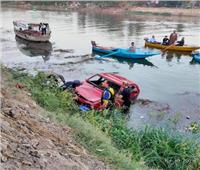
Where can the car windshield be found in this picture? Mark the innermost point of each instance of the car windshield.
(97, 81)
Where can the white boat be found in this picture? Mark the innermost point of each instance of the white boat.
(31, 31)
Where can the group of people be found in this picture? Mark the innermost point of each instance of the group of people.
(172, 40)
(132, 48)
(110, 97)
(43, 28)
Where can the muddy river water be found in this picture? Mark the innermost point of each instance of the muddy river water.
(169, 83)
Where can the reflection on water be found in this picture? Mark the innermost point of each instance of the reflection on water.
(132, 62)
(180, 27)
(33, 49)
(170, 55)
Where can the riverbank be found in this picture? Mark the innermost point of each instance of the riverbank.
(166, 11)
(103, 134)
(134, 10)
(30, 140)
(38, 138)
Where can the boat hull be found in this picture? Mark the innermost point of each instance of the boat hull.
(30, 37)
(129, 61)
(123, 53)
(171, 48)
(197, 58)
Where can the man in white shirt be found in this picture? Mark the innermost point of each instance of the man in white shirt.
(152, 39)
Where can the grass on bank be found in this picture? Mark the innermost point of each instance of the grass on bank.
(106, 135)
(149, 13)
(97, 142)
(62, 109)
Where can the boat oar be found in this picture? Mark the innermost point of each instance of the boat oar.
(105, 56)
(167, 47)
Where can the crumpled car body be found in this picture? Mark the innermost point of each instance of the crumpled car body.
(89, 93)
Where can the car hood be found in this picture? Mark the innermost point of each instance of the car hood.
(89, 92)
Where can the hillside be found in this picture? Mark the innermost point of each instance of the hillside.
(31, 141)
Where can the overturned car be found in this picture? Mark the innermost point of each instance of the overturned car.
(89, 93)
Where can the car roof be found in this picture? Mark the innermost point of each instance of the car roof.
(116, 78)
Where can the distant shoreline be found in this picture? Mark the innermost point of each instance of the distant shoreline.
(167, 11)
(160, 11)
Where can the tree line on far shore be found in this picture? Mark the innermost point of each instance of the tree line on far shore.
(104, 4)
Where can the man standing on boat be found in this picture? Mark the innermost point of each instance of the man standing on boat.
(173, 37)
(44, 29)
(40, 26)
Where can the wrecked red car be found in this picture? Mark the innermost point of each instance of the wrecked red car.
(89, 93)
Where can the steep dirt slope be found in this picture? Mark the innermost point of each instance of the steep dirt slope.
(30, 141)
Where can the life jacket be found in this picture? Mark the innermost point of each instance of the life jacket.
(112, 93)
(108, 94)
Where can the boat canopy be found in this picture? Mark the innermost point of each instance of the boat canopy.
(22, 25)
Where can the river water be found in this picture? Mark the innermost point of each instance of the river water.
(169, 83)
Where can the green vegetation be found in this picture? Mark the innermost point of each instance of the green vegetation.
(104, 4)
(63, 109)
(159, 115)
(106, 134)
(149, 13)
(174, 119)
(194, 127)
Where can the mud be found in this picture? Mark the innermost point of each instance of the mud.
(64, 50)
(146, 112)
(78, 56)
(82, 61)
(3, 39)
(188, 93)
(160, 107)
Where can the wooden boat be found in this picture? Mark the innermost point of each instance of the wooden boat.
(32, 31)
(129, 61)
(171, 48)
(124, 53)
